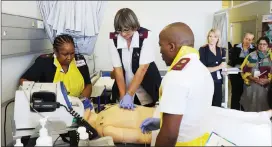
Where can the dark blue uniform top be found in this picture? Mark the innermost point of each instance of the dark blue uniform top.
(211, 60)
(43, 69)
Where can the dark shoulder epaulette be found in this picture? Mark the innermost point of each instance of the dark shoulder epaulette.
(50, 55)
(143, 34)
(181, 64)
(113, 35)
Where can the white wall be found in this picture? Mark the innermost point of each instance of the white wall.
(12, 68)
(1, 67)
(22, 8)
(154, 16)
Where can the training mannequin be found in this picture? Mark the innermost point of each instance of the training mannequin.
(122, 125)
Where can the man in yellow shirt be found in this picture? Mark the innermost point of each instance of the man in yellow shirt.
(186, 90)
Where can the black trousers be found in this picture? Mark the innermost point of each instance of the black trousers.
(217, 95)
(237, 84)
(137, 102)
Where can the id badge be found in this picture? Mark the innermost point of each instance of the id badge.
(218, 75)
(257, 73)
(80, 63)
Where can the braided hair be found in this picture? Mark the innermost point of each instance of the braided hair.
(61, 40)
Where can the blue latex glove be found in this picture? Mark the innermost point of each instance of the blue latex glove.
(127, 102)
(150, 124)
(87, 104)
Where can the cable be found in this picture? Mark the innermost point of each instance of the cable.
(56, 141)
(72, 112)
(81, 122)
(5, 135)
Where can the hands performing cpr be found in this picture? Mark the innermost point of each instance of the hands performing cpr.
(127, 102)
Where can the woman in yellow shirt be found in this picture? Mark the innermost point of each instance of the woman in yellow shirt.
(62, 65)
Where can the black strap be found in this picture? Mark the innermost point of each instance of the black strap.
(141, 40)
(115, 42)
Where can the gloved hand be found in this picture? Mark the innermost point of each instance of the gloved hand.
(127, 102)
(150, 124)
(87, 104)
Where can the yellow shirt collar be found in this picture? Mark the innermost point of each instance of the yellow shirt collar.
(57, 64)
(184, 50)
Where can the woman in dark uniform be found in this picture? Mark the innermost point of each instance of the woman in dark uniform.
(211, 55)
(62, 65)
(237, 55)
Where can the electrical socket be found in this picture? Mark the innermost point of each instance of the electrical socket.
(40, 24)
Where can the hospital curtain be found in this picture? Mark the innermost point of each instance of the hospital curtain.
(220, 22)
(80, 19)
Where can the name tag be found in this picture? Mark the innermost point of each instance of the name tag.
(218, 75)
(80, 63)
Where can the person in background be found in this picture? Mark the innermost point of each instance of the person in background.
(212, 56)
(137, 78)
(63, 65)
(257, 75)
(236, 57)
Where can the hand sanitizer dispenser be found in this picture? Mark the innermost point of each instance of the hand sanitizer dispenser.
(44, 139)
(83, 137)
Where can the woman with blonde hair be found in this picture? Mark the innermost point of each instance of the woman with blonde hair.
(213, 57)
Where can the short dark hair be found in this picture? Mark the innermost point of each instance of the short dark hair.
(62, 39)
(126, 19)
(266, 39)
